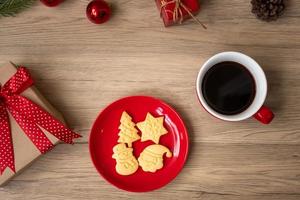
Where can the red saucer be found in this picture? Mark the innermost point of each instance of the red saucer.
(104, 136)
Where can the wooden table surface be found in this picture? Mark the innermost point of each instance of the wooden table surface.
(81, 67)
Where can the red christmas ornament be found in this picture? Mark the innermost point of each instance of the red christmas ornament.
(51, 3)
(98, 11)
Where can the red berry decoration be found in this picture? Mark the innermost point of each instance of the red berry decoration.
(51, 3)
(98, 11)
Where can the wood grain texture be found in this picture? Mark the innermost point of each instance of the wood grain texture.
(81, 67)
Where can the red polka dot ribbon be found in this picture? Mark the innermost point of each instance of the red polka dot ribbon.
(30, 117)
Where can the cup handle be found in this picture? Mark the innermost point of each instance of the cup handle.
(264, 115)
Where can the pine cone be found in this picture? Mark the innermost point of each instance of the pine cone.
(267, 10)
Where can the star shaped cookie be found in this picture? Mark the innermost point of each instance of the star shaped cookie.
(152, 128)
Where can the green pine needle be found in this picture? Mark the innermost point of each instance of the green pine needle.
(12, 7)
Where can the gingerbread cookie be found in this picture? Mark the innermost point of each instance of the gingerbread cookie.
(126, 162)
(151, 159)
(128, 133)
(152, 128)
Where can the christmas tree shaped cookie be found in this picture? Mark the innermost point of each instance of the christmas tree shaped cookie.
(152, 128)
(128, 133)
(126, 162)
(151, 159)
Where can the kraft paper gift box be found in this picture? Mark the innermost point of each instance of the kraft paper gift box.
(25, 152)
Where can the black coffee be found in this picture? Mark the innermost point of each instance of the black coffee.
(228, 88)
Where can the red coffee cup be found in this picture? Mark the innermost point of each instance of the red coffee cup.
(256, 109)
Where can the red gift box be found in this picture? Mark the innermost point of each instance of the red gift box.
(176, 11)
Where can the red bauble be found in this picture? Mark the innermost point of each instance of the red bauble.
(98, 11)
(51, 3)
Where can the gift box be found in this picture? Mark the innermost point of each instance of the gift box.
(176, 11)
(29, 125)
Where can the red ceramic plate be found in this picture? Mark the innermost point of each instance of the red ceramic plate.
(104, 136)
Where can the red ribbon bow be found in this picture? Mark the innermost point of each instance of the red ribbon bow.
(30, 118)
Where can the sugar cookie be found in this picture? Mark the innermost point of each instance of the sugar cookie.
(128, 133)
(151, 159)
(126, 162)
(152, 128)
